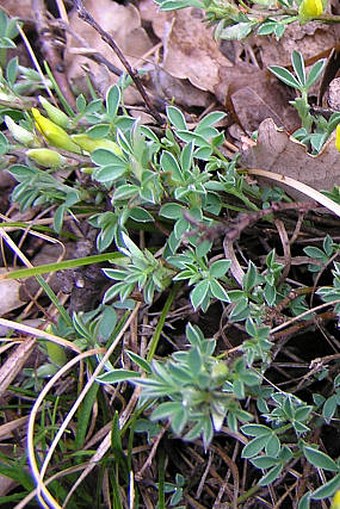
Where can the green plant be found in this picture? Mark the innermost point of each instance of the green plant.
(237, 20)
(176, 215)
(315, 129)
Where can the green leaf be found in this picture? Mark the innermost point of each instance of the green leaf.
(256, 430)
(132, 249)
(235, 32)
(319, 459)
(81, 103)
(264, 462)
(240, 311)
(271, 475)
(238, 389)
(142, 363)
(171, 5)
(194, 335)
(186, 157)
(315, 252)
(107, 323)
(255, 446)
(315, 72)
(211, 119)
(267, 28)
(203, 248)
(199, 293)
(273, 446)
(84, 416)
(328, 489)
(194, 360)
(125, 192)
(3, 144)
(219, 268)
(141, 215)
(113, 97)
(109, 173)
(250, 278)
(18, 473)
(270, 294)
(6, 43)
(304, 502)
(172, 211)
(286, 76)
(99, 131)
(12, 70)
(299, 67)
(218, 291)
(329, 408)
(116, 376)
(104, 157)
(174, 411)
(170, 165)
(176, 117)
(58, 218)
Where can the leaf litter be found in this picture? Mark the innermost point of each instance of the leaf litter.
(184, 64)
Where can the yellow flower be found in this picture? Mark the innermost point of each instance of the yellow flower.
(53, 133)
(46, 157)
(337, 137)
(336, 501)
(310, 9)
(89, 144)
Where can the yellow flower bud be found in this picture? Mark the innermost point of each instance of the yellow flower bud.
(310, 9)
(336, 501)
(46, 157)
(337, 137)
(20, 134)
(55, 114)
(89, 144)
(53, 133)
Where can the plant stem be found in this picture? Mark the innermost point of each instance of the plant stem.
(155, 339)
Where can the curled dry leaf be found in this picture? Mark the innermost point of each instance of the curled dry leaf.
(276, 151)
(190, 51)
(22, 9)
(311, 39)
(9, 294)
(14, 363)
(182, 91)
(253, 95)
(6, 485)
(124, 24)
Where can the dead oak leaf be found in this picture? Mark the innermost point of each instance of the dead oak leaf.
(120, 21)
(311, 39)
(253, 95)
(190, 51)
(276, 151)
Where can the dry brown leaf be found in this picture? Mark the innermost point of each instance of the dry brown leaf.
(124, 24)
(310, 39)
(276, 151)
(151, 14)
(9, 294)
(14, 364)
(7, 429)
(190, 51)
(182, 91)
(6, 485)
(22, 9)
(254, 95)
(166, 84)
